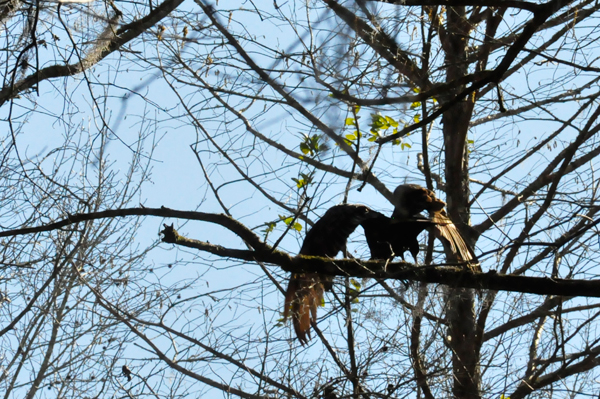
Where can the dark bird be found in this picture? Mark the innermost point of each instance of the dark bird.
(126, 372)
(326, 238)
(388, 237)
(329, 393)
(411, 199)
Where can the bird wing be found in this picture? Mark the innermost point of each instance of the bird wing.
(326, 238)
(450, 234)
(410, 199)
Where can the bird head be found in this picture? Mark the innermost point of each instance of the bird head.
(411, 199)
(360, 213)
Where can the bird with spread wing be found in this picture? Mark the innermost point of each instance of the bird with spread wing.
(389, 237)
(326, 238)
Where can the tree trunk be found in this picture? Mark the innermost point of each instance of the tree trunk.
(461, 302)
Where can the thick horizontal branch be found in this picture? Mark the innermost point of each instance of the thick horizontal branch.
(454, 276)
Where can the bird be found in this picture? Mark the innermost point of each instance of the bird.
(411, 199)
(326, 238)
(388, 237)
(126, 372)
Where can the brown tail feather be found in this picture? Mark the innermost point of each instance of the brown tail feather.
(448, 232)
(304, 294)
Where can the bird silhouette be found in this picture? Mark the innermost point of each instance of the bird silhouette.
(411, 199)
(326, 238)
(126, 372)
(388, 237)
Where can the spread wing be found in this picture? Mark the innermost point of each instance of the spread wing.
(410, 199)
(326, 238)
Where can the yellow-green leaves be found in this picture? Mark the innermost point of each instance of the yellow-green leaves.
(304, 180)
(470, 145)
(269, 228)
(313, 145)
(354, 135)
(354, 291)
(381, 124)
(289, 221)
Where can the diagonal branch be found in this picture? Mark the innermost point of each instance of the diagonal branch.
(494, 76)
(106, 47)
(381, 43)
(231, 40)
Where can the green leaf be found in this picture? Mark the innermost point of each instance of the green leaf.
(355, 283)
(305, 180)
(287, 220)
(356, 109)
(378, 122)
(391, 121)
(405, 145)
(350, 121)
(304, 148)
(269, 228)
(372, 139)
(417, 118)
(351, 137)
(416, 90)
(416, 104)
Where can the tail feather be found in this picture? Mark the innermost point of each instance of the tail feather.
(450, 234)
(303, 296)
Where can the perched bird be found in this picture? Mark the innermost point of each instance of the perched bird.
(126, 372)
(326, 238)
(329, 393)
(389, 237)
(411, 199)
